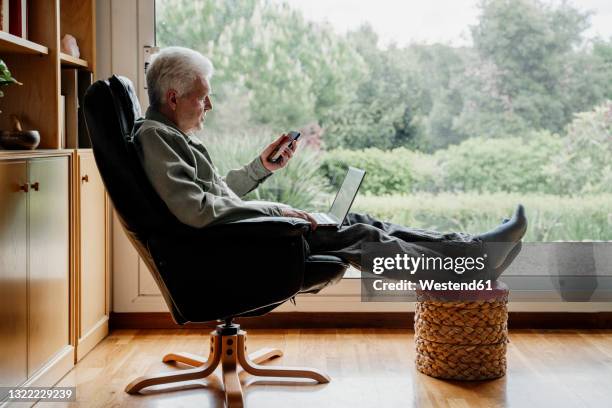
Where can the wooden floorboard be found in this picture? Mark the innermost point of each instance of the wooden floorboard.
(368, 367)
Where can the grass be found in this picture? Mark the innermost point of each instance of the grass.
(551, 217)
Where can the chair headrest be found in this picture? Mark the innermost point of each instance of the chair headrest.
(111, 108)
(126, 103)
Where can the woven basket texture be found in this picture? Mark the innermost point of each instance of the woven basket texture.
(461, 340)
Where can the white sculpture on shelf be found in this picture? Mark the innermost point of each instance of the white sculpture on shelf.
(69, 46)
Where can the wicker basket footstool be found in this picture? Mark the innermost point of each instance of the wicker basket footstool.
(462, 335)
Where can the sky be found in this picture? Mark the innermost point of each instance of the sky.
(430, 21)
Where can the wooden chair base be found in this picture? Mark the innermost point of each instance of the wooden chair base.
(230, 351)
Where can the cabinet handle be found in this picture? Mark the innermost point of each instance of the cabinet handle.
(24, 187)
(85, 178)
(34, 186)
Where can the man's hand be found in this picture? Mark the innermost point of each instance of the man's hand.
(290, 212)
(286, 154)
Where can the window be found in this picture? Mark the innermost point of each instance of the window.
(458, 110)
(456, 117)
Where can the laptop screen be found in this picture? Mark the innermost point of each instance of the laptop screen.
(346, 194)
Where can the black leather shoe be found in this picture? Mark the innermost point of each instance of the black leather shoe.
(500, 241)
(509, 259)
(511, 231)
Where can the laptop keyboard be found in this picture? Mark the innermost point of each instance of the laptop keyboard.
(322, 218)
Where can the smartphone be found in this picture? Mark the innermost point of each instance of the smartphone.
(276, 154)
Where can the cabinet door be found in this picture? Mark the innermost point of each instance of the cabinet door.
(49, 260)
(13, 273)
(93, 262)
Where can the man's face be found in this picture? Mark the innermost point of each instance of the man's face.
(191, 108)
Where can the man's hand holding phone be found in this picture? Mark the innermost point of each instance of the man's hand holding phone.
(279, 152)
(291, 212)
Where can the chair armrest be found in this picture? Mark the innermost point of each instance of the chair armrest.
(258, 227)
(289, 222)
(256, 230)
(256, 263)
(272, 227)
(232, 268)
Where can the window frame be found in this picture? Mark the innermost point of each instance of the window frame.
(133, 287)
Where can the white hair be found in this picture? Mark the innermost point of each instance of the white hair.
(175, 68)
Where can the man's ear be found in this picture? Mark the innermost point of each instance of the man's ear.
(171, 96)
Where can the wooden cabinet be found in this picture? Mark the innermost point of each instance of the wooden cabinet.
(35, 270)
(48, 295)
(13, 273)
(92, 281)
(53, 279)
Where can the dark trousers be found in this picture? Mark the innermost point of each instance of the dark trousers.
(358, 229)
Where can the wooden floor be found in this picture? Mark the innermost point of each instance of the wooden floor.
(369, 368)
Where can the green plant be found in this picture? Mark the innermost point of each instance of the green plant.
(5, 77)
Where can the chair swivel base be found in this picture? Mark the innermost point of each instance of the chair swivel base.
(227, 346)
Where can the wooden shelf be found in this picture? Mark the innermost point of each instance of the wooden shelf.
(38, 63)
(10, 43)
(70, 61)
(30, 154)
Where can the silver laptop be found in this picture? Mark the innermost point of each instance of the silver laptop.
(343, 201)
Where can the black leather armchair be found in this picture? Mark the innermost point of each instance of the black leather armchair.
(244, 268)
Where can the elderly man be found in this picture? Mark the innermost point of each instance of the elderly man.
(182, 172)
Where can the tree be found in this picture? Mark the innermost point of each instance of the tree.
(583, 164)
(383, 110)
(291, 72)
(527, 74)
(529, 69)
(440, 99)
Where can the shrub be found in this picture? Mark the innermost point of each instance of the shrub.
(583, 164)
(387, 171)
(477, 164)
(500, 165)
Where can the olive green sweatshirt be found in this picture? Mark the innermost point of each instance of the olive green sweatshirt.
(181, 171)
